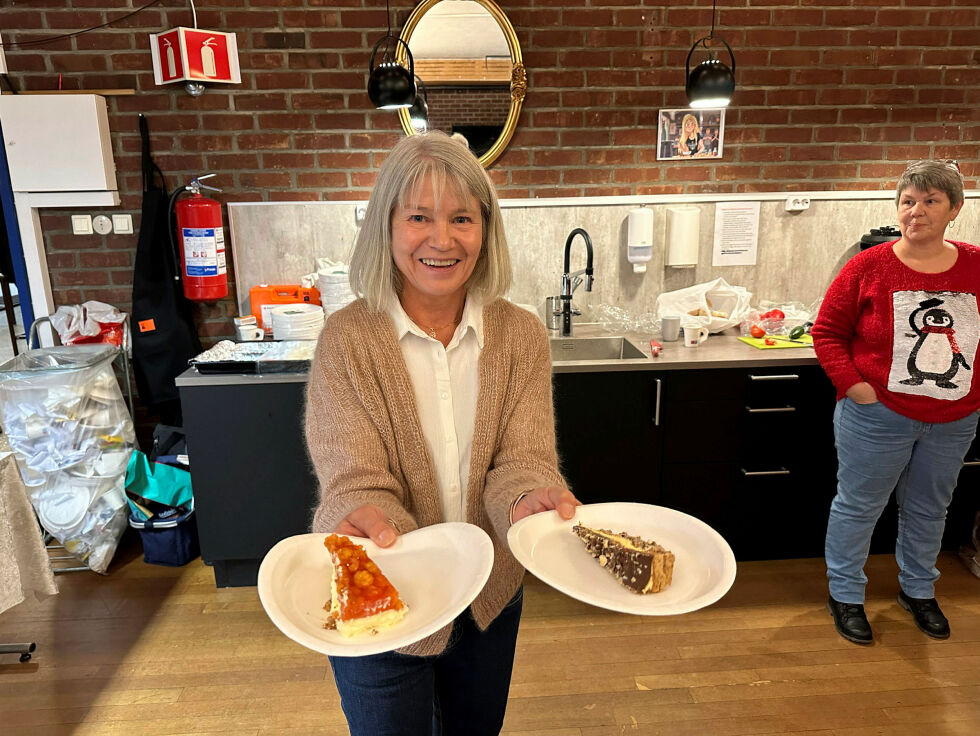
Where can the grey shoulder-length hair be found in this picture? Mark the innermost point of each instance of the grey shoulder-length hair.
(449, 164)
(926, 175)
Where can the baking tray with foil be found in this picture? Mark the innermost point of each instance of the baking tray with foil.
(287, 356)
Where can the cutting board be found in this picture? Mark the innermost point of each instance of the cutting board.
(806, 341)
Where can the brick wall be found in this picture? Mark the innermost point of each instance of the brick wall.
(832, 94)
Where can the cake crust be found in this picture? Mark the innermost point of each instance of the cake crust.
(641, 566)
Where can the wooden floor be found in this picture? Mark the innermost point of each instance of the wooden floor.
(151, 650)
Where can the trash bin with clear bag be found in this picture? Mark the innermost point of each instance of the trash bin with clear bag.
(72, 435)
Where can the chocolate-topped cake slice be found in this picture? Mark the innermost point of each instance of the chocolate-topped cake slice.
(641, 566)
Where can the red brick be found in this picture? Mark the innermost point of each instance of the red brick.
(270, 179)
(323, 179)
(288, 160)
(103, 259)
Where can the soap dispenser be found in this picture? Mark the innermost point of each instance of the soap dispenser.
(639, 238)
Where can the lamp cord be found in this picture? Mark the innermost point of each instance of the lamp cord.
(714, 5)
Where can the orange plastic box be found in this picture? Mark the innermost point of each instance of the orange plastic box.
(265, 297)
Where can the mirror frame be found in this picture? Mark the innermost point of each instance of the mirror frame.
(518, 77)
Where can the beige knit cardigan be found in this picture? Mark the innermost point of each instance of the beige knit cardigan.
(366, 443)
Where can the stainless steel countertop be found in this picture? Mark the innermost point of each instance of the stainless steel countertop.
(718, 351)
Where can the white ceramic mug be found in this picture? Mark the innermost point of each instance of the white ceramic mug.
(249, 333)
(694, 335)
(670, 327)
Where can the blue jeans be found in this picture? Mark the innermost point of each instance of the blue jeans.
(463, 690)
(879, 451)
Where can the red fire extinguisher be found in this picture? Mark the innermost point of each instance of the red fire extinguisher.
(201, 240)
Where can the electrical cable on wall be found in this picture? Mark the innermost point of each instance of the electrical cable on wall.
(51, 39)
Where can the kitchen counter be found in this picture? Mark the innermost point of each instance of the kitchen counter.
(718, 351)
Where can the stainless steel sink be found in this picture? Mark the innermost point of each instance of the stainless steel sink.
(593, 348)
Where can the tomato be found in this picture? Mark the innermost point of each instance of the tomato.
(770, 341)
(777, 314)
(757, 331)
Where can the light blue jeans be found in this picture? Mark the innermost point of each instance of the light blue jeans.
(879, 451)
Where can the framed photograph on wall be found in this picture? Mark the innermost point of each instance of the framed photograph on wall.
(686, 134)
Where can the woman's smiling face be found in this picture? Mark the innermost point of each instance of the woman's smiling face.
(435, 243)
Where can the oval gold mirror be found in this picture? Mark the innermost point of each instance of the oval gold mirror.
(473, 78)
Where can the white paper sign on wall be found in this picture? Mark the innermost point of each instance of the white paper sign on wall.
(183, 54)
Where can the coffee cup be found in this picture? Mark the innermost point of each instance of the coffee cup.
(670, 327)
(694, 335)
(249, 333)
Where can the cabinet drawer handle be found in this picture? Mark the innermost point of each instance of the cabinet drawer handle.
(774, 410)
(787, 377)
(971, 464)
(753, 473)
(656, 409)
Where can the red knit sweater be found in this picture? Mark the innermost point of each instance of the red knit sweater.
(913, 336)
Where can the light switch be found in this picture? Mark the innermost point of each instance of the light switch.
(102, 224)
(81, 224)
(122, 224)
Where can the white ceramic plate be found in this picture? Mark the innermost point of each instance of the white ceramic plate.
(704, 566)
(438, 571)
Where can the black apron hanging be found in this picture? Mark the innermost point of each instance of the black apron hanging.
(164, 335)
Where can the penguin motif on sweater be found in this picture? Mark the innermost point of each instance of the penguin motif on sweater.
(935, 356)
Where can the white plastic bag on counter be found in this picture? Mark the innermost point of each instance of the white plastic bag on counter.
(72, 436)
(716, 304)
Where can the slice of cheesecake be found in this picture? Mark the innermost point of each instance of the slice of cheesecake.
(641, 566)
(362, 599)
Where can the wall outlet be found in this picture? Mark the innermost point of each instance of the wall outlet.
(797, 204)
(122, 224)
(81, 224)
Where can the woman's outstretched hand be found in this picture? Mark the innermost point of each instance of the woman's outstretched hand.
(369, 521)
(546, 499)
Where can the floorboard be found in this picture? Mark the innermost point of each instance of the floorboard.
(148, 650)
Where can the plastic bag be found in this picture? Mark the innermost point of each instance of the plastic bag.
(716, 304)
(72, 437)
(91, 322)
(153, 488)
(778, 318)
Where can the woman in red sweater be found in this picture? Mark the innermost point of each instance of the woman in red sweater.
(897, 334)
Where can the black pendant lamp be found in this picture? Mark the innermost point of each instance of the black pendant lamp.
(390, 85)
(711, 83)
(419, 111)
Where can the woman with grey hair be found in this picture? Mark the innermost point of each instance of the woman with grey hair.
(429, 401)
(897, 334)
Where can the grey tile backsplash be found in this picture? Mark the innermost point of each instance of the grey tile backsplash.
(798, 253)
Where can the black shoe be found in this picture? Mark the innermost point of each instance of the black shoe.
(850, 621)
(928, 617)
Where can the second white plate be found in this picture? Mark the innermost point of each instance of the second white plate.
(704, 565)
(438, 571)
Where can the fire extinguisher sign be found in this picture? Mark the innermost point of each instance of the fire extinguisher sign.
(191, 53)
(204, 251)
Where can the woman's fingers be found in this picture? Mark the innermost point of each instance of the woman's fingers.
(369, 521)
(545, 499)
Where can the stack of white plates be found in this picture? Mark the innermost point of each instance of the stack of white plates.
(335, 291)
(297, 322)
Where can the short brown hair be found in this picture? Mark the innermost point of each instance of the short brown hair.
(925, 175)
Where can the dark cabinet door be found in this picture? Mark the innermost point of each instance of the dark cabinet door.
(609, 439)
(253, 481)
